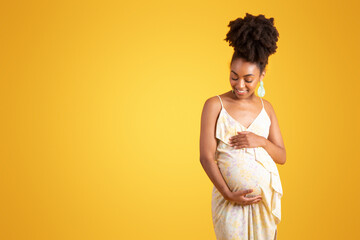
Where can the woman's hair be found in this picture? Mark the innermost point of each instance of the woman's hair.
(253, 38)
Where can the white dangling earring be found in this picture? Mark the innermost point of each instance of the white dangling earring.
(261, 89)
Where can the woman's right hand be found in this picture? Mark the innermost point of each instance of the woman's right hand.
(239, 197)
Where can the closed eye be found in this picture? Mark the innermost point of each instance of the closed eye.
(238, 79)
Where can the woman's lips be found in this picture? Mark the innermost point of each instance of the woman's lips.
(241, 93)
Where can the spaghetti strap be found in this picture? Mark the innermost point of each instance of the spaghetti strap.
(262, 102)
(220, 101)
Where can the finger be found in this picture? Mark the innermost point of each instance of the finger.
(244, 192)
(242, 140)
(254, 201)
(249, 203)
(259, 200)
(242, 146)
(239, 142)
(253, 197)
(243, 132)
(232, 139)
(234, 143)
(244, 143)
(242, 136)
(249, 199)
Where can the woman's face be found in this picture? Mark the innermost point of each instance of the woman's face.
(244, 77)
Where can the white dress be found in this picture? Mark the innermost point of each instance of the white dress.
(246, 168)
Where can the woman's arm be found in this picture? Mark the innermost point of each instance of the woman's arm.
(208, 145)
(274, 144)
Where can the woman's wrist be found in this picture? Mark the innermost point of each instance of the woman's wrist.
(227, 194)
(264, 142)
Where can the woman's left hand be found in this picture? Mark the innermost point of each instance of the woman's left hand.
(247, 139)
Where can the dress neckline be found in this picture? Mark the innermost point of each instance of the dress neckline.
(252, 123)
(247, 128)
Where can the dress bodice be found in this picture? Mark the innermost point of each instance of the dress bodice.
(227, 126)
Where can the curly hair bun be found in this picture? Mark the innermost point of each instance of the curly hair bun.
(254, 38)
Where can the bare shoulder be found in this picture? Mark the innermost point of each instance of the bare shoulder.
(212, 106)
(209, 117)
(269, 108)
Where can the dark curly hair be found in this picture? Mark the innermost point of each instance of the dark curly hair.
(253, 38)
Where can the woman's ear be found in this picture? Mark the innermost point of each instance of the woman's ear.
(262, 75)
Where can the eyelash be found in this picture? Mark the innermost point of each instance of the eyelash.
(238, 79)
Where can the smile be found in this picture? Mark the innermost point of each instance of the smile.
(241, 92)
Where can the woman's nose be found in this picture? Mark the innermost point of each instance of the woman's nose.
(242, 84)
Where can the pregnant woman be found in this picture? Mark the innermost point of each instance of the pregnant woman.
(241, 142)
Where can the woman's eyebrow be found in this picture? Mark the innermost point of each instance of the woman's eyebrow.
(244, 75)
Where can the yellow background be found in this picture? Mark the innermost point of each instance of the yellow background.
(101, 104)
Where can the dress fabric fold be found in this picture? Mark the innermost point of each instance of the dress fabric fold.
(246, 168)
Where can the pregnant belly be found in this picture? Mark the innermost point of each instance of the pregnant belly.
(243, 172)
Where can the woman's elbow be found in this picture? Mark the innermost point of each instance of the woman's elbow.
(206, 159)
